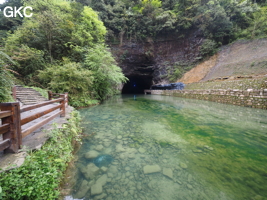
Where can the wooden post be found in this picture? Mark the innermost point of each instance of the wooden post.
(50, 95)
(63, 107)
(14, 92)
(67, 99)
(15, 129)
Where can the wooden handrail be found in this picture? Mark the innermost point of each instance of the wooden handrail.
(5, 144)
(14, 92)
(14, 132)
(4, 128)
(5, 114)
(11, 120)
(38, 105)
(39, 114)
(39, 124)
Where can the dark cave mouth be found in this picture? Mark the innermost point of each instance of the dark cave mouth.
(137, 84)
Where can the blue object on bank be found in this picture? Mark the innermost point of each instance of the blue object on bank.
(171, 86)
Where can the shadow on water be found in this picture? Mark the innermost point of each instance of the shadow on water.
(167, 148)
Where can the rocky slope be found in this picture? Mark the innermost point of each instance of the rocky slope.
(242, 59)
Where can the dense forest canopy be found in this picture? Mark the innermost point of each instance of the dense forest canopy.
(221, 21)
(53, 49)
(62, 46)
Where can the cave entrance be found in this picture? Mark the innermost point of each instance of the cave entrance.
(137, 84)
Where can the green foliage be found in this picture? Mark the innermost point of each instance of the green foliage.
(208, 48)
(107, 75)
(40, 175)
(70, 77)
(219, 20)
(60, 30)
(90, 30)
(43, 92)
(6, 81)
(213, 21)
(175, 72)
(10, 23)
(258, 28)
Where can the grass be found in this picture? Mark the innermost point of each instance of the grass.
(243, 84)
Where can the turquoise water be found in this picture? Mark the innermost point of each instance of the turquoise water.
(168, 148)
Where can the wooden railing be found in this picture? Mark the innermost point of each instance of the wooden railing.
(10, 115)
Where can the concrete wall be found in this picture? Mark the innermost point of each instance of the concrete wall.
(247, 98)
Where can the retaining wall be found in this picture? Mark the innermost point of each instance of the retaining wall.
(248, 98)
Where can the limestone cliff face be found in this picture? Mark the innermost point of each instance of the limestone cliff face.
(150, 59)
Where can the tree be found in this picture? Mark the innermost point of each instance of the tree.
(60, 31)
(6, 81)
(107, 75)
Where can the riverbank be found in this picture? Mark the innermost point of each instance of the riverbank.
(247, 98)
(40, 175)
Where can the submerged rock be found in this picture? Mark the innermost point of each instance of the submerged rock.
(168, 172)
(99, 147)
(96, 189)
(141, 150)
(148, 169)
(91, 154)
(119, 148)
(103, 160)
(101, 196)
(83, 189)
(90, 171)
(183, 165)
(197, 151)
(102, 180)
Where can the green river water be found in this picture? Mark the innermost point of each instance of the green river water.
(169, 148)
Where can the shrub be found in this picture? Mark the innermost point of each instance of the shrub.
(40, 175)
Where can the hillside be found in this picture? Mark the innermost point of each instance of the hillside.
(242, 59)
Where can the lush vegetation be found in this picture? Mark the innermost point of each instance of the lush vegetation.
(6, 78)
(221, 21)
(62, 47)
(54, 50)
(42, 170)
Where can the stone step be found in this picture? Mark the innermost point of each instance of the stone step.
(22, 92)
(28, 96)
(26, 89)
(23, 95)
